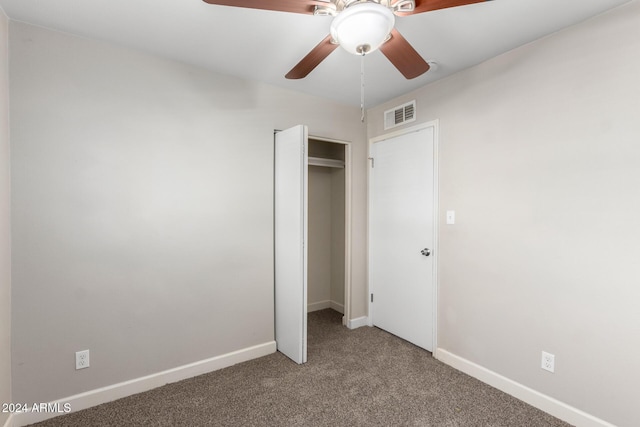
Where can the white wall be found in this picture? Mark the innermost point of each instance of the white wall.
(5, 224)
(143, 210)
(540, 158)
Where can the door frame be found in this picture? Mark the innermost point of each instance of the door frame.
(436, 234)
(347, 223)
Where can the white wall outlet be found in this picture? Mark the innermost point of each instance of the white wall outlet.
(82, 359)
(548, 361)
(451, 217)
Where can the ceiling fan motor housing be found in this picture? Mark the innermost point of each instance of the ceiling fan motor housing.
(334, 7)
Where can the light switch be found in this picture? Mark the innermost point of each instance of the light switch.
(451, 217)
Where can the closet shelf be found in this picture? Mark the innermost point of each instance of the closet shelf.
(327, 163)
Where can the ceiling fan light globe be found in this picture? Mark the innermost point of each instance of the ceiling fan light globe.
(362, 27)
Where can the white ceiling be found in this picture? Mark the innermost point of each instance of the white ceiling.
(264, 46)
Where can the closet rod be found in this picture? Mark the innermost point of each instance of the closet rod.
(328, 163)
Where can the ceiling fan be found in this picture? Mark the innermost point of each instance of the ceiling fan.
(359, 26)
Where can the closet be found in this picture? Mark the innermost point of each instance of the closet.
(326, 226)
(311, 234)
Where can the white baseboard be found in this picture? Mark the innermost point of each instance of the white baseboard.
(321, 305)
(358, 322)
(336, 306)
(139, 385)
(534, 398)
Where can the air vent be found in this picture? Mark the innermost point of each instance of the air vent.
(399, 115)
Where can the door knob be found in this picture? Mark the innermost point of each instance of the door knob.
(426, 252)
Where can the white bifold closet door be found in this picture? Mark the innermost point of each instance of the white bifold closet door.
(290, 194)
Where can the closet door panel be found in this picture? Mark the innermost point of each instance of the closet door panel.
(290, 228)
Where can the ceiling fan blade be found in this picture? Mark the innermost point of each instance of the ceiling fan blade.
(313, 58)
(429, 5)
(295, 6)
(405, 58)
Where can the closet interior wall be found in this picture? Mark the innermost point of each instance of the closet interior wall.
(326, 228)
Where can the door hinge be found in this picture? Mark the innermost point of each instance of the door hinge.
(371, 297)
(373, 161)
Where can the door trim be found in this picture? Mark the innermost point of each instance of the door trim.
(436, 233)
(346, 318)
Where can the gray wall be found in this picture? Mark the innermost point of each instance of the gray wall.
(540, 158)
(319, 235)
(143, 210)
(326, 235)
(337, 235)
(5, 224)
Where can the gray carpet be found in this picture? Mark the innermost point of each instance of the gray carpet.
(364, 377)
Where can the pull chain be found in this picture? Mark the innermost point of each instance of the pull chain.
(362, 89)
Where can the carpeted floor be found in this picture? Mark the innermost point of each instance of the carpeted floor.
(364, 377)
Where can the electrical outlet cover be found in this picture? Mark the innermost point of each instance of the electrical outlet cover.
(82, 359)
(548, 361)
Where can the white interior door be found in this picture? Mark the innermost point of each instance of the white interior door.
(401, 227)
(290, 242)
